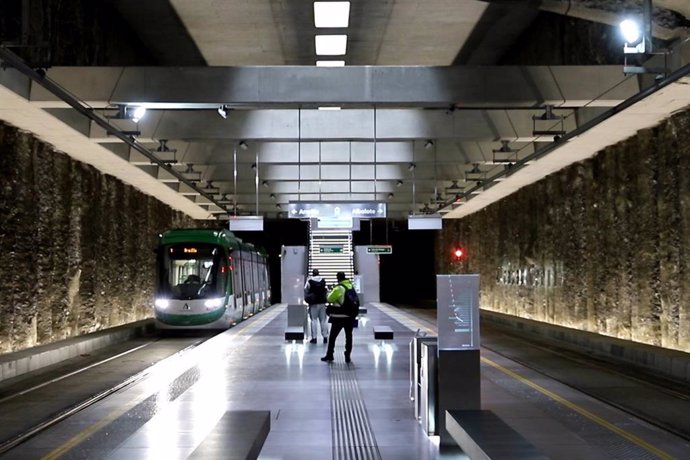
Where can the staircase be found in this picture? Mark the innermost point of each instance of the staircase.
(330, 251)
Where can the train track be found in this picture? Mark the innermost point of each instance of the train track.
(676, 393)
(63, 413)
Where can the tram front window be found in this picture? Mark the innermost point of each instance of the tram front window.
(190, 271)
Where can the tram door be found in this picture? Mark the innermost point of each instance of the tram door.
(239, 284)
(246, 304)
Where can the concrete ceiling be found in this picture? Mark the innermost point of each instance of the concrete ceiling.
(450, 123)
(381, 32)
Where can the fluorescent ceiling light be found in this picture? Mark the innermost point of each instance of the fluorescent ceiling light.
(331, 14)
(331, 45)
(330, 63)
(329, 108)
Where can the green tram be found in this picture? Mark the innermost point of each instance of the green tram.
(208, 279)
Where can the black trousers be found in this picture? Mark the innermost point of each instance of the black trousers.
(336, 325)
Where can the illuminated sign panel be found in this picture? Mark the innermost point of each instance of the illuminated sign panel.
(425, 222)
(457, 312)
(331, 249)
(336, 211)
(381, 249)
(246, 223)
(186, 252)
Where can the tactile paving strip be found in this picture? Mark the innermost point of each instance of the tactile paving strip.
(353, 438)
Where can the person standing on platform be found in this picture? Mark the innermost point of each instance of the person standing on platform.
(315, 296)
(344, 310)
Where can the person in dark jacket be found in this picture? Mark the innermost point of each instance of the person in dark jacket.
(339, 320)
(315, 296)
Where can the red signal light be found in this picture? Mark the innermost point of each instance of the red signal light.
(458, 253)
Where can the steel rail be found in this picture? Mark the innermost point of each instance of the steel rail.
(66, 413)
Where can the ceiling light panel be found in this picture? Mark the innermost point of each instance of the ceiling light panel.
(331, 45)
(331, 14)
(330, 63)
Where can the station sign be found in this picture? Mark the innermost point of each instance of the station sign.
(380, 249)
(331, 249)
(333, 211)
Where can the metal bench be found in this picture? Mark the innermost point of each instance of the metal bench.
(481, 434)
(294, 333)
(238, 435)
(383, 333)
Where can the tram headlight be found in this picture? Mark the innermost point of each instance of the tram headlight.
(162, 303)
(213, 303)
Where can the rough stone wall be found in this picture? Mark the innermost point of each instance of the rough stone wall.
(72, 32)
(602, 246)
(75, 245)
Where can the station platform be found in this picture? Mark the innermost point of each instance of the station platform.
(213, 401)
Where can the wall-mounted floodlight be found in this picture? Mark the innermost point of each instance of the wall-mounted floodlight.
(210, 188)
(504, 148)
(243, 145)
(390, 196)
(265, 183)
(638, 33)
(454, 186)
(273, 195)
(411, 167)
(192, 175)
(635, 41)
(474, 174)
(399, 183)
(253, 166)
(137, 113)
(631, 32)
(428, 144)
(163, 146)
(223, 111)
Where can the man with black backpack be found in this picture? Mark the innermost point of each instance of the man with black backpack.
(343, 311)
(315, 296)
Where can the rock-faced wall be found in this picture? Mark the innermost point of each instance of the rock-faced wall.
(601, 246)
(75, 245)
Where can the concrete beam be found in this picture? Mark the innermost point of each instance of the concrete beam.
(300, 86)
(290, 125)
